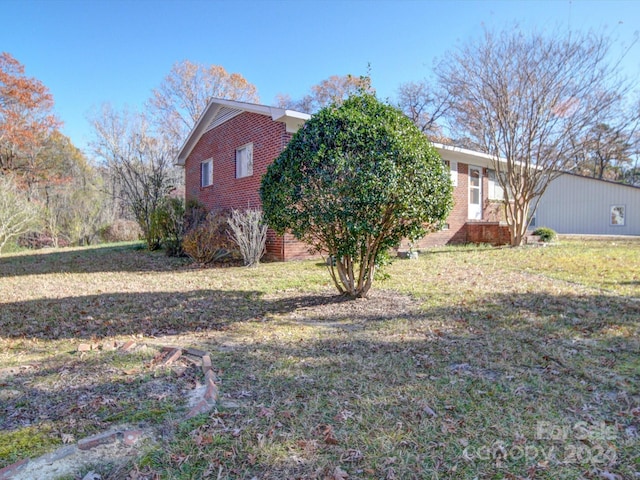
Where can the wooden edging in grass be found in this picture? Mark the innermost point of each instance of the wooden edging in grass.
(166, 357)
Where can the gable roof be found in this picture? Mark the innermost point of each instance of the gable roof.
(219, 110)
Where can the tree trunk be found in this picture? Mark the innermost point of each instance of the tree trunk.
(346, 281)
(519, 222)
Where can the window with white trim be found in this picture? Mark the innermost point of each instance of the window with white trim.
(244, 161)
(617, 218)
(496, 192)
(453, 171)
(206, 173)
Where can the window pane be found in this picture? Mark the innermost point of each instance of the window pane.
(475, 196)
(617, 215)
(205, 174)
(239, 171)
(244, 161)
(474, 178)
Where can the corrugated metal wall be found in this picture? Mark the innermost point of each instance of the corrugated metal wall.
(582, 205)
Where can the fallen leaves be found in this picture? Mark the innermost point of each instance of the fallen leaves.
(351, 455)
(266, 412)
(328, 434)
(339, 474)
(352, 382)
(343, 415)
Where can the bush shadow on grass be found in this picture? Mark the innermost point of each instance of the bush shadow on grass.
(148, 314)
(131, 257)
(169, 313)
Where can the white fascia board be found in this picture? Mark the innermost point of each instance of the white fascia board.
(470, 157)
(210, 111)
(463, 155)
(292, 119)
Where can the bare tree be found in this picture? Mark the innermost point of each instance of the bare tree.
(140, 163)
(525, 98)
(608, 146)
(334, 89)
(17, 214)
(176, 105)
(424, 106)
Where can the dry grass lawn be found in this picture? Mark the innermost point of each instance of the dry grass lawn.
(469, 362)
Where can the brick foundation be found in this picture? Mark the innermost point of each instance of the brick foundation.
(494, 233)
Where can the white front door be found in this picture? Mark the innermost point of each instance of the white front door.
(475, 193)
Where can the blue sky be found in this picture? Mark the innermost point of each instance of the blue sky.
(93, 51)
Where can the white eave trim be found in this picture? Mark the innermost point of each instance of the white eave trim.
(292, 119)
(470, 157)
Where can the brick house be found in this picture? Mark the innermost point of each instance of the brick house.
(229, 149)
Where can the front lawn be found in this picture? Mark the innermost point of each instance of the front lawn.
(470, 362)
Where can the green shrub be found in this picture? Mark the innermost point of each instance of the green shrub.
(168, 225)
(353, 182)
(545, 234)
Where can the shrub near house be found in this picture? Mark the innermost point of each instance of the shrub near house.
(354, 182)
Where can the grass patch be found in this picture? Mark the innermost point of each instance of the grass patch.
(469, 362)
(27, 442)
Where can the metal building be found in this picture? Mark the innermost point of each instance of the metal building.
(574, 204)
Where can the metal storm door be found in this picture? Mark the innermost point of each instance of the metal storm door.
(475, 193)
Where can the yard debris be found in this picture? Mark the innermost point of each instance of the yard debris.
(95, 440)
(128, 346)
(339, 474)
(211, 392)
(429, 411)
(201, 407)
(8, 471)
(328, 434)
(367, 367)
(92, 476)
(195, 352)
(172, 355)
(206, 363)
(351, 455)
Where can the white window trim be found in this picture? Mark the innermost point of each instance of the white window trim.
(248, 170)
(206, 182)
(624, 215)
(496, 192)
(453, 171)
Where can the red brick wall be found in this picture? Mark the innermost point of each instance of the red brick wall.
(488, 232)
(219, 144)
(457, 231)
(461, 230)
